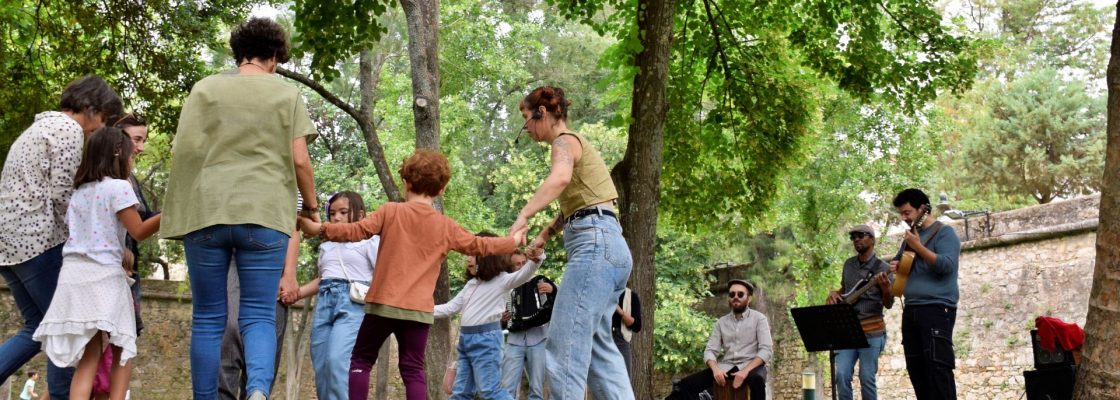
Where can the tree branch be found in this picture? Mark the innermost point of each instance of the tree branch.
(719, 45)
(900, 24)
(322, 91)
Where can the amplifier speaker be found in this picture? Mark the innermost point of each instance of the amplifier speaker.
(1050, 384)
(1048, 359)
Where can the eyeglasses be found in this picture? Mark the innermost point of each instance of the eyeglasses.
(741, 295)
(857, 236)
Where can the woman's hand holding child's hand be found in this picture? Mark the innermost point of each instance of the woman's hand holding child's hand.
(519, 235)
(534, 253)
(309, 227)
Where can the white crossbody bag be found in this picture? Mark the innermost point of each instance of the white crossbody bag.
(358, 290)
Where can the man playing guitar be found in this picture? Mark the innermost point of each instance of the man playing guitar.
(931, 295)
(865, 285)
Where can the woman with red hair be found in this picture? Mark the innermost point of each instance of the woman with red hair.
(581, 352)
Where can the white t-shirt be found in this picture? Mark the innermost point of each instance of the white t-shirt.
(359, 259)
(95, 231)
(27, 389)
(483, 302)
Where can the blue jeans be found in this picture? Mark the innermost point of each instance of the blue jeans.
(333, 332)
(480, 358)
(581, 349)
(519, 358)
(32, 283)
(259, 253)
(868, 367)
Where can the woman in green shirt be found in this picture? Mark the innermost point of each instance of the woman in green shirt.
(599, 261)
(238, 156)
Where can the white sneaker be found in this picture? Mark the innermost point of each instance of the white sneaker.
(257, 395)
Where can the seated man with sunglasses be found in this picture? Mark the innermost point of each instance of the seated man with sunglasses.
(738, 350)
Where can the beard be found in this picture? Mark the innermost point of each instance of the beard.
(738, 308)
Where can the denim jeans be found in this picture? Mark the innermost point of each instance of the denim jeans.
(530, 359)
(333, 332)
(480, 359)
(232, 377)
(868, 367)
(259, 253)
(581, 349)
(32, 283)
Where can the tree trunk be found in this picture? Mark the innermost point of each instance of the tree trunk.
(297, 348)
(422, 18)
(381, 391)
(638, 176)
(1098, 377)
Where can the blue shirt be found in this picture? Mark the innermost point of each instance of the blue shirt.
(935, 284)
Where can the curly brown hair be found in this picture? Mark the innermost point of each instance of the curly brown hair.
(259, 38)
(551, 97)
(427, 171)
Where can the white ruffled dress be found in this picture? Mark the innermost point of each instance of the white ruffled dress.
(93, 290)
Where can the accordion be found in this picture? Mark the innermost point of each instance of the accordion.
(529, 308)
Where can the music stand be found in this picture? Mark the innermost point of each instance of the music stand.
(829, 328)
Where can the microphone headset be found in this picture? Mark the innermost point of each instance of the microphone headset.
(536, 115)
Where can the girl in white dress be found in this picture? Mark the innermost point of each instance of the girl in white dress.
(92, 301)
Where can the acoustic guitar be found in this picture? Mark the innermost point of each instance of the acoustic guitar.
(907, 260)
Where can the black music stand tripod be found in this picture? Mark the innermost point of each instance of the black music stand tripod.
(829, 328)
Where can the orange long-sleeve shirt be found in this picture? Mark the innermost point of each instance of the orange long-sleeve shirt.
(415, 239)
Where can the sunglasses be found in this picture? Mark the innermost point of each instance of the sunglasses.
(857, 236)
(133, 118)
(741, 295)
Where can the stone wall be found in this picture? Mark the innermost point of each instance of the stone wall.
(1030, 262)
(161, 370)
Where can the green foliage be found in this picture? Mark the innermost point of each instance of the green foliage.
(148, 51)
(1040, 135)
(862, 157)
(1032, 128)
(331, 31)
(746, 76)
(681, 283)
(682, 331)
(1041, 34)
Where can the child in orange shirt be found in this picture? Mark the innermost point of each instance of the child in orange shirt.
(415, 239)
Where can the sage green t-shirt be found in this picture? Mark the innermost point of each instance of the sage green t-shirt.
(231, 159)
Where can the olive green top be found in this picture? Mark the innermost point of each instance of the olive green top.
(591, 182)
(231, 159)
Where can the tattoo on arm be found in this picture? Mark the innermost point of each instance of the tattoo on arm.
(562, 152)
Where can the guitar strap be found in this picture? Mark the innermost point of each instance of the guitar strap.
(937, 227)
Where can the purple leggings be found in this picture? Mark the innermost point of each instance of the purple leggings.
(412, 337)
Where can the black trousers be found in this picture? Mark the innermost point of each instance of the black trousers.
(927, 341)
(690, 387)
